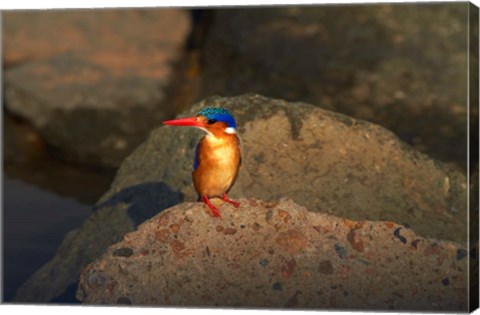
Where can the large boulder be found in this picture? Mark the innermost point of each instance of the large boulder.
(92, 82)
(277, 255)
(320, 159)
(391, 64)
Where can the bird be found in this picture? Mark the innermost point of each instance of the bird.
(217, 156)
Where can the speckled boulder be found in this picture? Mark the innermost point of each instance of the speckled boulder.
(276, 255)
(320, 159)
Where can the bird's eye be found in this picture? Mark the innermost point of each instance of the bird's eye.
(211, 121)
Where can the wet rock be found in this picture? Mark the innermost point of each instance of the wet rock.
(353, 59)
(396, 277)
(92, 82)
(322, 160)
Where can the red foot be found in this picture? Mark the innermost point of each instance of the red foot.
(212, 207)
(225, 198)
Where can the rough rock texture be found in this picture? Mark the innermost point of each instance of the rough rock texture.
(92, 82)
(322, 160)
(276, 255)
(391, 64)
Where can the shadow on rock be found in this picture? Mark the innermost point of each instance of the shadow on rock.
(144, 200)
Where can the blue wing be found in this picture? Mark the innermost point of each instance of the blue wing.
(195, 161)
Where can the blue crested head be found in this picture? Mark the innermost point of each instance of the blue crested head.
(214, 114)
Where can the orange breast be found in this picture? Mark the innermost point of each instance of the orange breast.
(218, 165)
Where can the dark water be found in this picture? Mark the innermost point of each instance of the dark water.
(34, 224)
(44, 198)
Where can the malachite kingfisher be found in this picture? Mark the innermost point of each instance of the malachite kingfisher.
(217, 155)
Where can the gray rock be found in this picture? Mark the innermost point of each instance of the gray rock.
(391, 64)
(93, 98)
(319, 159)
(322, 160)
(276, 255)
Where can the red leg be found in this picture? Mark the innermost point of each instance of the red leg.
(212, 207)
(225, 198)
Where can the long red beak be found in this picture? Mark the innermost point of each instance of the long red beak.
(191, 121)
